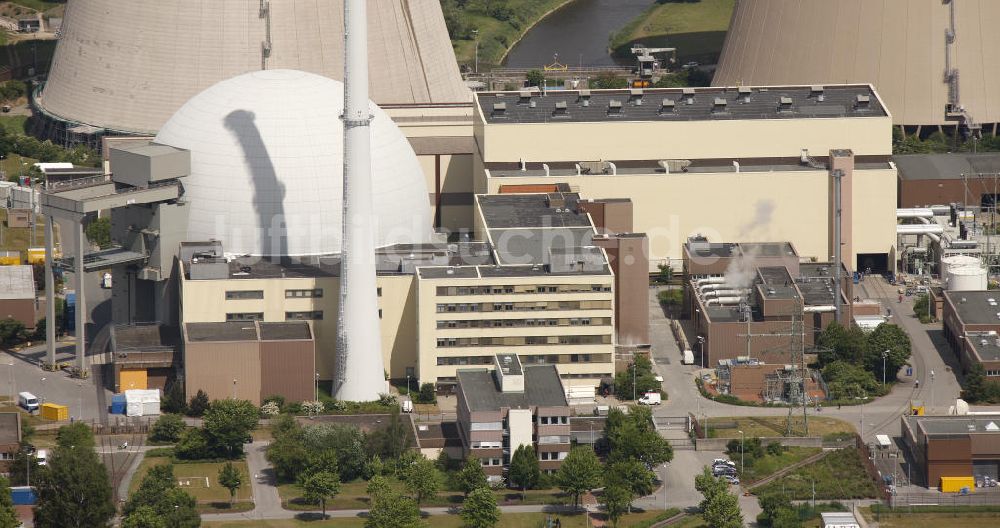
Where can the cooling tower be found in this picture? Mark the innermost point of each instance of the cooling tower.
(900, 46)
(129, 65)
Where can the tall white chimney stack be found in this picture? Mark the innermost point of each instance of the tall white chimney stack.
(359, 368)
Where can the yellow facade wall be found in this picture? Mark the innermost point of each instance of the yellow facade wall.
(204, 301)
(129, 379)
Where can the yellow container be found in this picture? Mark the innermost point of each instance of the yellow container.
(133, 379)
(10, 258)
(955, 484)
(52, 411)
(36, 255)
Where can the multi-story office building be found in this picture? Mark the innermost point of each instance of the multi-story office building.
(500, 410)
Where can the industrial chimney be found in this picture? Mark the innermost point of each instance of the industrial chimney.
(359, 367)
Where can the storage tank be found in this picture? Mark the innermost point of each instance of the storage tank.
(955, 261)
(967, 278)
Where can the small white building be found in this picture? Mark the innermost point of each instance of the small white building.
(840, 520)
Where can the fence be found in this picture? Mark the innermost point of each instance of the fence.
(867, 460)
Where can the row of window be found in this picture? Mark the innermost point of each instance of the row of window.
(552, 455)
(523, 306)
(514, 323)
(448, 342)
(487, 445)
(487, 462)
(993, 372)
(313, 315)
(521, 289)
(531, 359)
(233, 295)
(553, 420)
(555, 439)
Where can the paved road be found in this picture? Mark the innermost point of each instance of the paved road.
(19, 371)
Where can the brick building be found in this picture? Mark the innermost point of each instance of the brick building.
(953, 446)
(971, 326)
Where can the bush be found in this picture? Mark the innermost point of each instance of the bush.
(199, 404)
(194, 444)
(427, 394)
(167, 428)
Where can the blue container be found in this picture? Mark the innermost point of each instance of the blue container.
(118, 404)
(69, 316)
(23, 495)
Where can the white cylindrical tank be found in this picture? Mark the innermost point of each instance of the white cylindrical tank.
(967, 278)
(955, 261)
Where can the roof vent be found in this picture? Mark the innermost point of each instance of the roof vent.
(583, 95)
(785, 104)
(689, 92)
(635, 96)
(560, 110)
(744, 90)
(719, 105)
(667, 106)
(862, 102)
(614, 107)
(499, 109)
(524, 96)
(816, 90)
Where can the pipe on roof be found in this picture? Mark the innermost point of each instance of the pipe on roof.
(915, 212)
(820, 309)
(918, 229)
(708, 280)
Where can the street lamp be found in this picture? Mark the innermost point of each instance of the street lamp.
(742, 438)
(863, 400)
(633, 379)
(475, 35)
(885, 354)
(701, 350)
(316, 387)
(234, 388)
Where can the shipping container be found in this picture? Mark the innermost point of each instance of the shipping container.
(10, 258)
(52, 411)
(36, 255)
(958, 484)
(23, 495)
(118, 404)
(69, 315)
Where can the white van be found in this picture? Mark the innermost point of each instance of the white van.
(27, 401)
(650, 398)
(688, 358)
(406, 406)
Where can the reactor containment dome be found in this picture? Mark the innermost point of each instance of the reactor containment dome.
(267, 164)
(129, 65)
(928, 59)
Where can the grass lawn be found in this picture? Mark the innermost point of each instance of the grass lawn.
(837, 476)
(192, 478)
(697, 29)
(765, 426)
(770, 463)
(495, 36)
(19, 238)
(15, 124)
(508, 520)
(936, 520)
(38, 5)
(354, 496)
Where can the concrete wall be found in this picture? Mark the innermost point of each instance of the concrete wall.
(287, 368)
(212, 367)
(630, 262)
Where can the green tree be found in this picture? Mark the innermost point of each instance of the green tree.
(376, 485)
(427, 394)
(230, 478)
(229, 423)
(617, 500)
(391, 440)
(75, 435)
(194, 444)
(422, 479)
(535, 78)
(921, 307)
(777, 512)
(524, 469)
(73, 491)
(641, 371)
(199, 404)
(480, 509)
(977, 389)
(723, 511)
(471, 476)
(12, 332)
(634, 436)
(144, 517)
(321, 487)
(159, 491)
(173, 399)
(580, 472)
(837, 343)
(709, 486)
(8, 517)
(608, 81)
(390, 509)
(167, 428)
(847, 381)
(99, 232)
(891, 340)
(632, 474)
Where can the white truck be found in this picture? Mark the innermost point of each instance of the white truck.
(688, 358)
(27, 401)
(650, 398)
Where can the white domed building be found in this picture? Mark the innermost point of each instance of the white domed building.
(267, 164)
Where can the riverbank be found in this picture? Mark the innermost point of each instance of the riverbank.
(697, 30)
(498, 31)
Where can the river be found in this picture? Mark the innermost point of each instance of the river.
(578, 33)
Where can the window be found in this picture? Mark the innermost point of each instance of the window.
(234, 295)
(379, 313)
(486, 426)
(249, 316)
(316, 315)
(558, 439)
(993, 372)
(294, 294)
(553, 420)
(378, 292)
(555, 455)
(6, 456)
(487, 445)
(491, 462)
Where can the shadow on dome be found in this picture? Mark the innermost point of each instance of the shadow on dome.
(269, 191)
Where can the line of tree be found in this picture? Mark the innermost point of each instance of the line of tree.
(160, 502)
(73, 487)
(641, 371)
(226, 427)
(719, 508)
(852, 360)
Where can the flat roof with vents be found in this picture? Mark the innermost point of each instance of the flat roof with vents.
(775, 102)
(976, 308)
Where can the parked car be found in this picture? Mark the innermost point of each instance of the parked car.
(725, 461)
(732, 479)
(650, 398)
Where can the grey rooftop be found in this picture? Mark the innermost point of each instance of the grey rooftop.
(974, 307)
(680, 104)
(542, 388)
(955, 425)
(17, 282)
(946, 166)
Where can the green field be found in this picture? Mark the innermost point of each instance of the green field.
(770, 426)
(936, 520)
(507, 520)
(354, 496)
(192, 480)
(769, 464)
(496, 36)
(19, 238)
(839, 475)
(39, 5)
(696, 29)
